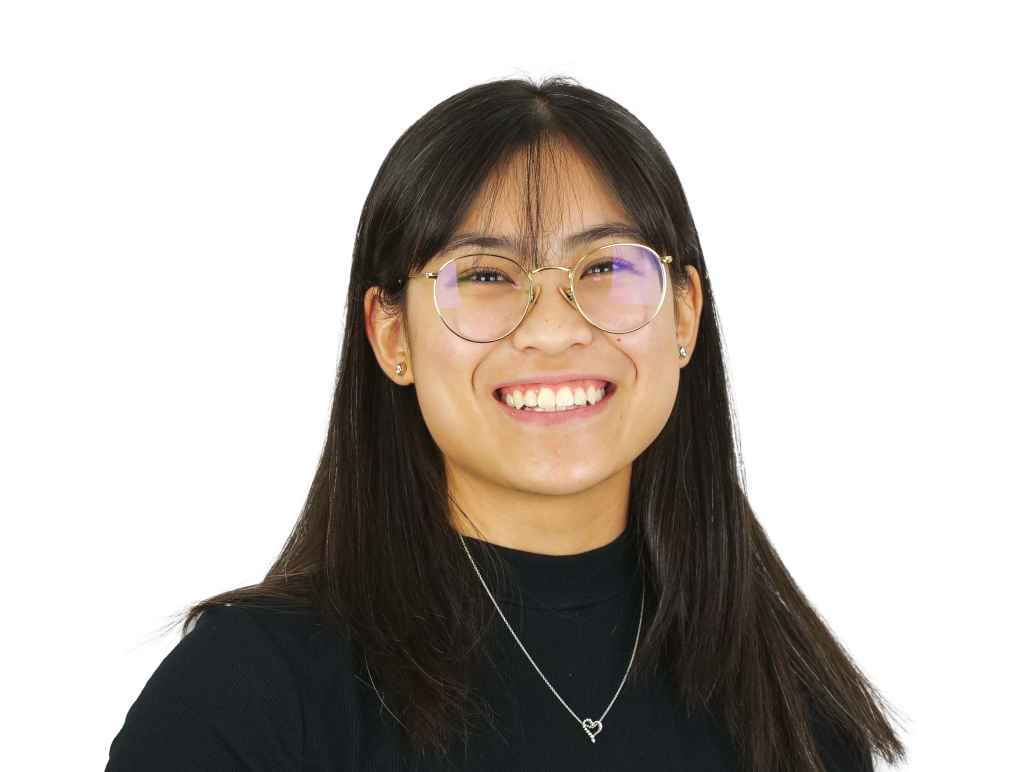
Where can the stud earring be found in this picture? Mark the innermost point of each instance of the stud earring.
(682, 351)
(399, 369)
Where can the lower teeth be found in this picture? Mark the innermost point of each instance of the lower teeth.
(557, 409)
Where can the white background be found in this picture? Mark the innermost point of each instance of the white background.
(179, 189)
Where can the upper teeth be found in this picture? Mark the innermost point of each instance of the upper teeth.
(547, 398)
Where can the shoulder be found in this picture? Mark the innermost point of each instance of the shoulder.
(257, 646)
(290, 635)
(231, 691)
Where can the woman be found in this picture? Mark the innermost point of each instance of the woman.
(526, 545)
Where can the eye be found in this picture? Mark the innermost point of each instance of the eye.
(609, 265)
(483, 276)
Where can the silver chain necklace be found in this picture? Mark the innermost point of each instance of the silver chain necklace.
(591, 727)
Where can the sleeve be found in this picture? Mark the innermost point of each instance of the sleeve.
(223, 699)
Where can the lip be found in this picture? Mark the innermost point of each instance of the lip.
(558, 416)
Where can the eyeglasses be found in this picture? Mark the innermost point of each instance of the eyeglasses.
(483, 298)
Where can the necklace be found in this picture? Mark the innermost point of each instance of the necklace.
(591, 727)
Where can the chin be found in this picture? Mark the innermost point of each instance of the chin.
(556, 481)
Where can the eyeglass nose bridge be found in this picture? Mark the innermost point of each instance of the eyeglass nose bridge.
(566, 290)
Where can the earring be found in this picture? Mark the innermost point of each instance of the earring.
(682, 351)
(399, 369)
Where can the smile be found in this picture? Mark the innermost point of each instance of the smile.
(555, 403)
(553, 396)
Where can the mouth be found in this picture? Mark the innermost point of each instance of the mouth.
(545, 400)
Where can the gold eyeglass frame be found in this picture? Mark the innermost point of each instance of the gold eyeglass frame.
(568, 292)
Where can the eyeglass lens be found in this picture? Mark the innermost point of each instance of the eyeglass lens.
(483, 297)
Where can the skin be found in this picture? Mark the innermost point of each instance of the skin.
(554, 490)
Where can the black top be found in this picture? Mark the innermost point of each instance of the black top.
(263, 688)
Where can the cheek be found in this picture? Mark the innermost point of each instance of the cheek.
(443, 362)
(657, 369)
(445, 386)
(445, 375)
(655, 360)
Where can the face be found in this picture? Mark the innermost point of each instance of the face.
(492, 456)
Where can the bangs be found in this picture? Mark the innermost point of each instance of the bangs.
(529, 195)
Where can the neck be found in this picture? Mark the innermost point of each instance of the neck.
(562, 522)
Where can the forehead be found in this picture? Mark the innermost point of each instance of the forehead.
(538, 199)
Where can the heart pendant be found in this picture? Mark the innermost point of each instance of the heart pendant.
(589, 724)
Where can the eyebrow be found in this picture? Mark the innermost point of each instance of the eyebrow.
(574, 241)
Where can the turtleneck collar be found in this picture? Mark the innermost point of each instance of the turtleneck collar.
(559, 581)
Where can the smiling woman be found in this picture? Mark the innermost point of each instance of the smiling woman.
(527, 544)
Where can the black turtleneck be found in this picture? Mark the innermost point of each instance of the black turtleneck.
(253, 688)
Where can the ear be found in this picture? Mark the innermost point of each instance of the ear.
(387, 336)
(689, 301)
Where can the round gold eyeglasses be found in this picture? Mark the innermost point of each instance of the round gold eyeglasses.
(482, 298)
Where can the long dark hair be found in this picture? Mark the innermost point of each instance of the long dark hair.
(374, 551)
